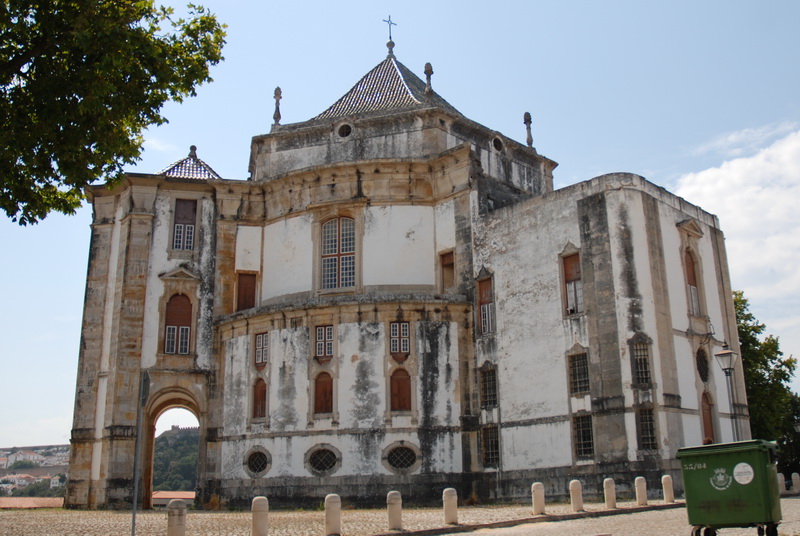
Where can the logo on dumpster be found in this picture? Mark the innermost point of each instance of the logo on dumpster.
(721, 479)
(743, 473)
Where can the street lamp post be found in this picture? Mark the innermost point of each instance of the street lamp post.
(726, 359)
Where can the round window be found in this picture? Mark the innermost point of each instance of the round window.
(322, 460)
(257, 462)
(345, 130)
(401, 457)
(498, 144)
(702, 365)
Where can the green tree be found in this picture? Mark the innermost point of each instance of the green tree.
(79, 82)
(23, 464)
(766, 375)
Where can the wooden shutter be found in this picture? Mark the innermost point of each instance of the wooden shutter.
(260, 399)
(485, 291)
(185, 211)
(400, 391)
(323, 393)
(179, 311)
(246, 292)
(572, 268)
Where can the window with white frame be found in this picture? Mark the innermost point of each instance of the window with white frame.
(573, 284)
(339, 253)
(399, 338)
(183, 231)
(324, 344)
(486, 305)
(262, 350)
(177, 322)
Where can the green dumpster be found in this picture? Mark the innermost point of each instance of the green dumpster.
(731, 485)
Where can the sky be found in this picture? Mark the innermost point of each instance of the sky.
(702, 98)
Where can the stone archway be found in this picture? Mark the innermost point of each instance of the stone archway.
(158, 404)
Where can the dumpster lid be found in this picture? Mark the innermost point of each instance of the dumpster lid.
(735, 446)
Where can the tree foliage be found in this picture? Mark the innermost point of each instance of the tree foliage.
(39, 489)
(23, 464)
(773, 406)
(79, 82)
(175, 460)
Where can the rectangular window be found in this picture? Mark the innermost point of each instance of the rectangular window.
(490, 445)
(183, 340)
(169, 339)
(185, 216)
(489, 388)
(338, 253)
(262, 349)
(578, 374)
(573, 285)
(399, 340)
(486, 305)
(647, 430)
(245, 291)
(447, 263)
(324, 346)
(583, 439)
(641, 362)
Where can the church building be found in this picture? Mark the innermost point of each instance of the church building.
(396, 298)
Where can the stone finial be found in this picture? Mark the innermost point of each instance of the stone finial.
(193, 151)
(390, 46)
(277, 115)
(428, 74)
(527, 120)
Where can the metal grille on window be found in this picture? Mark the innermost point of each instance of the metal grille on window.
(584, 441)
(641, 359)
(647, 430)
(490, 443)
(489, 388)
(262, 348)
(401, 458)
(399, 339)
(257, 462)
(322, 460)
(578, 374)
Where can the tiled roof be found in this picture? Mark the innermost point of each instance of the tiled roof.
(190, 167)
(389, 86)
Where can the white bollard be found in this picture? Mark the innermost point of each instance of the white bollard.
(610, 493)
(450, 502)
(666, 486)
(333, 515)
(394, 507)
(641, 491)
(781, 484)
(176, 518)
(537, 494)
(576, 495)
(795, 482)
(260, 509)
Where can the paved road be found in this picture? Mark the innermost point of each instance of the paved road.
(668, 522)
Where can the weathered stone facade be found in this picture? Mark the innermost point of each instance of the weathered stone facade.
(398, 299)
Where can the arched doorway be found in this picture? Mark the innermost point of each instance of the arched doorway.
(175, 454)
(164, 404)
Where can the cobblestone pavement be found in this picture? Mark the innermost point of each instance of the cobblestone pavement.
(664, 522)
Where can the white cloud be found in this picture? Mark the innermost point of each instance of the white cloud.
(746, 141)
(158, 145)
(757, 200)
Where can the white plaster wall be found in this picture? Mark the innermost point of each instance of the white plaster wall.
(288, 388)
(362, 386)
(288, 257)
(398, 246)
(248, 248)
(684, 358)
(159, 264)
(237, 391)
(543, 445)
(445, 226)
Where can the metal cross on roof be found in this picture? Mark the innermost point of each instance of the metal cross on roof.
(390, 23)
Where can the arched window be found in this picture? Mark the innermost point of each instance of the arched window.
(707, 412)
(260, 399)
(400, 387)
(691, 282)
(323, 393)
(339, 253)
(178, 321)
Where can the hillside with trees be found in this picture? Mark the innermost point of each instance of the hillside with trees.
(175, 460)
